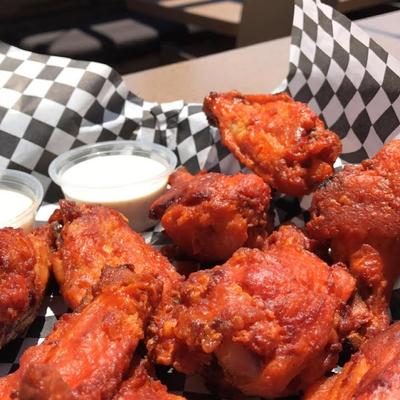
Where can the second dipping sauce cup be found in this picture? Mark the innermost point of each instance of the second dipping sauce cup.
(125, 175)
(20, 198)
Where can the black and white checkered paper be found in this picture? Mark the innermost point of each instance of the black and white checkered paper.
(346, 77)
(49, 105)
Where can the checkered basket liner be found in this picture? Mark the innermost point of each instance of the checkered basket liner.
(49, 105)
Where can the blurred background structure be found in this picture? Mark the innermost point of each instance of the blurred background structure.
(134, 35)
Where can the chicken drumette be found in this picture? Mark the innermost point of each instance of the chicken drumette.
(24, 271)
(281, 140)
(92, 237)
(357, 213)
(209, 215)
(88, 352)
(270, 321)
(372, 373)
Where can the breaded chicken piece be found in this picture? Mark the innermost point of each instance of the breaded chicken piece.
(24, 271)
(88, 352)
(281, 140)
(92, 237)
(372, 373)
(142, 386)
(357, 214)
(269, 320)
(209, 215)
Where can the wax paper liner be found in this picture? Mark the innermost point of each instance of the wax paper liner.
(49, 105)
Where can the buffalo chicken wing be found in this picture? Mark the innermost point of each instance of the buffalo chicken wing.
(24, 271)
(88, 352)
(269, 320)
(357, 214)
(209, 215)
(372, 373)
(92, 237)
(142, 386)
(281, 140)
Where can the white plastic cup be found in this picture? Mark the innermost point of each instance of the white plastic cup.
(129, 194)
(26, 187)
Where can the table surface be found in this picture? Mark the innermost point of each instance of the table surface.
(221, 16)
(383, 28)
(257, 68)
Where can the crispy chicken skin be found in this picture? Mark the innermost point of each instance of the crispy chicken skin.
(209, 215)
(270, 319)
(357, 213)
(281, 140)
(142, 386)
(92, 237)
(372, 373)
(89, 351)
(24, 271)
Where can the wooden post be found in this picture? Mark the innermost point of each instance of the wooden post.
(264, 20)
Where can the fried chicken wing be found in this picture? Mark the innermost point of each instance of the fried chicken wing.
(209, 215)
(372, 373)
(269, 320)
(88, 352)
(142, 386)
(24, 271)
(358, 213)
(281, 140)
(92, 237)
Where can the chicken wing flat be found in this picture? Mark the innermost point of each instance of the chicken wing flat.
(209, 215)
(142, 386)
(24, 271)
(92, 237)
(89, 351)
(268, 319)
(372, 373)
(358, 213)
(281, 140)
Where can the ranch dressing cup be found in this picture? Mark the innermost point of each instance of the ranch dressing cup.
(125, 175)
(20, 198)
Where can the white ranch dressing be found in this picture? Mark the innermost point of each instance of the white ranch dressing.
(128, 183)
(14, 207)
